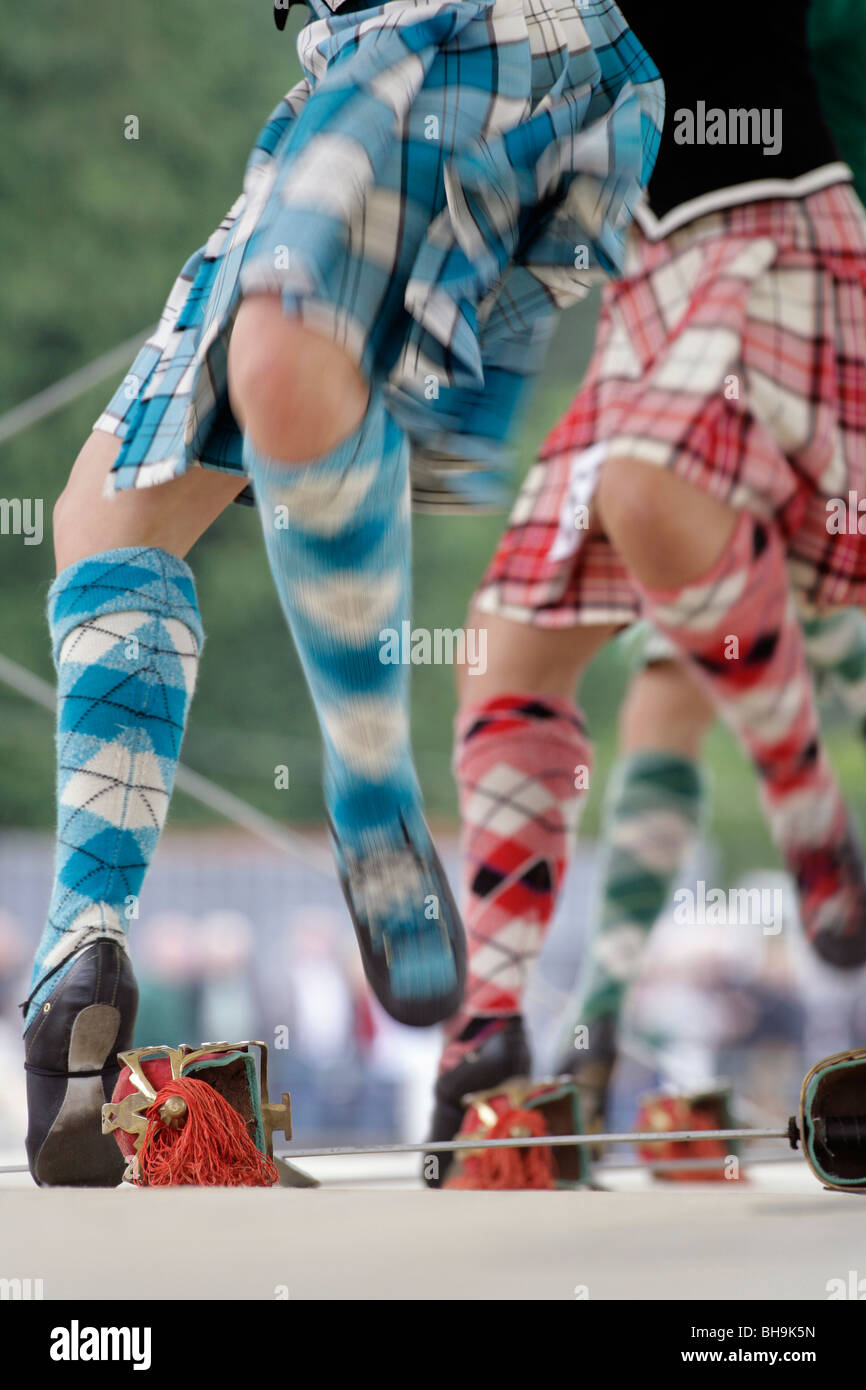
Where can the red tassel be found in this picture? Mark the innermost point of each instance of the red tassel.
(502, 1169)
(212, 1149)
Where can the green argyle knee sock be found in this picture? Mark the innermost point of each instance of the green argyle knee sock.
(836, 652)
(654, 808)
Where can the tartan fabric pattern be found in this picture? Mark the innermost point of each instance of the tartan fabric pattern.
(426, 258)
(733, 352)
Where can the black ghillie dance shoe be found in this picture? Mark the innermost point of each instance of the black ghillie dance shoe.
(497, 1051)
(592, 1071)
(71, 1062)
(409, 930)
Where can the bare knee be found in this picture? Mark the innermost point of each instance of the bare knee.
(668, 531)
(296, 392)
(634, 504)
(665, 708)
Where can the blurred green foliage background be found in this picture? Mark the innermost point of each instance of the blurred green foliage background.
(93, 228)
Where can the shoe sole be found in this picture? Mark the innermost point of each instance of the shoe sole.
(413, 1011)
(75, 1143)
(71, 1065)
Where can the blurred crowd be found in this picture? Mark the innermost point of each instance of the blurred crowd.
(351, 1070)
(711, 1002)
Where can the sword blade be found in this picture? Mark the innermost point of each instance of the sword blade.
(551, 1141)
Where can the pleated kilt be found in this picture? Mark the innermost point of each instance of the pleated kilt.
(734, 353)
(445, 176)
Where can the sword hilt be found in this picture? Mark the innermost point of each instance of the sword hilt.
(844, 1136)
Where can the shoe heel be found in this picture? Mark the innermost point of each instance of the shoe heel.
(72, 1069)
(75, 1143)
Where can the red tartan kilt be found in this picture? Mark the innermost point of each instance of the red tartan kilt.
(734, 352)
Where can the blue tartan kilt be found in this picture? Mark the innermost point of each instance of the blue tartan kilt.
(445, 177)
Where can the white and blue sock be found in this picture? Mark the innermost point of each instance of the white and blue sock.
(126, 637)
(338, 537)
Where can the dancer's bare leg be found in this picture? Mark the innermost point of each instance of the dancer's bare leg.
(665, 709)
(329, 467)
(126, 637)
(171, 517)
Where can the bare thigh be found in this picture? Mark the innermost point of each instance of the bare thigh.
(169, 517)
(521, 658)
(665, 709)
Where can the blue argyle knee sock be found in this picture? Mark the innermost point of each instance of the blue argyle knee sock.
(337, 533)
(126, 636)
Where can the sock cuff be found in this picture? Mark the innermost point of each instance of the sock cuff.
(836, 641)
(137, 579)
(666, 773)
(268, 471)
(517, 713)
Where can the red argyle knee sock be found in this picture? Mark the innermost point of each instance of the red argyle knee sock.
(739, 627)
(522, 765)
